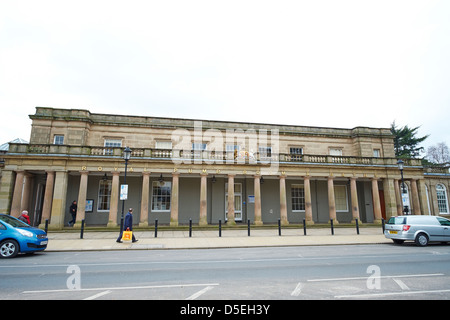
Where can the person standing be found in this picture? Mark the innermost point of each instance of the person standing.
(25, 217)
(127, 225)
(73, 212)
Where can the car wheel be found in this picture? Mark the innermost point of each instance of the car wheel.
(9, 248)
(421, 240)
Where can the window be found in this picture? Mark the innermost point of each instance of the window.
(104, 195)
(340, 196)
(296, 150)
(335, 152)
(58, 139)
(111, 143)
(161, 192)
(237, 201)
(199, 146)
(376, 153)
(265, 152)
(298, 198)
(441, 193)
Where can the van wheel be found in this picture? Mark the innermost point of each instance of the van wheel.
(421, 240)
(9, 249)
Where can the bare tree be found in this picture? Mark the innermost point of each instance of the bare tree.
(439, 154)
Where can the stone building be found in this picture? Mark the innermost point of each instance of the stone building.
(182, 169)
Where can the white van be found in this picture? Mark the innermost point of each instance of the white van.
(420, 229)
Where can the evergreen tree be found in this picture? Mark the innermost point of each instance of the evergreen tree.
(406, 142)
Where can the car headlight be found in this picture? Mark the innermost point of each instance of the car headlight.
(25, 233)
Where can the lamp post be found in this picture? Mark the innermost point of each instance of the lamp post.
(400, 164)
(124, 195)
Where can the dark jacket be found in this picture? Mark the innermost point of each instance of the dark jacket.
(128, 223)
(73, 209)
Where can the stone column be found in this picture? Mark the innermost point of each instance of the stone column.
(17, 195)
(257, 189)
(143, 222)
(390, 198)
(114, 202)
(6, 191)
(27, 187)
(81, 203)
(48, 196)
(308, 202)
(354, 196)
(376, 201)
(203, 199)
(283, 203)
(398, 197)
(331, 200)
(175, 199)
(415, 197)
(230, 214)
(59, 200)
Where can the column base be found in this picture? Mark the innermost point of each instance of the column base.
(112, 224)
(258, 223)
(309, 223)
(143, 224)
(174, 223)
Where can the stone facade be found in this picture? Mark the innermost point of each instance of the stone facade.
(206, 171)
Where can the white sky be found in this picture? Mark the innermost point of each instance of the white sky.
(334, 63)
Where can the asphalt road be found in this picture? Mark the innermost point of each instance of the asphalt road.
(316, 272)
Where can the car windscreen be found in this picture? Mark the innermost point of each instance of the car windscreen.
(13, 222)
(397, 220)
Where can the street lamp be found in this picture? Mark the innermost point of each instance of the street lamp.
(124, 187)
(400, 164)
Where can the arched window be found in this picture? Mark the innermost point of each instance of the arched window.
(442, 200)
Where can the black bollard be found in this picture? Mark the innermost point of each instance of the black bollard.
(46, 226)
(220, 228)
(156, 228)
(304, 227)
(382, 224)
(357, 226)
(332, 227)
(248, 227)
(82, 229)
(190, 227)
(279, 227)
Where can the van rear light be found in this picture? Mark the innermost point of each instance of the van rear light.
(406, 227)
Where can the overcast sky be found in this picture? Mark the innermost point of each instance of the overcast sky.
(321, 63)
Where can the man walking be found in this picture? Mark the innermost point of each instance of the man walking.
(127, 225)
(73, 212)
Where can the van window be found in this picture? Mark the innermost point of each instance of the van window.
(397, 220)
(443, 221)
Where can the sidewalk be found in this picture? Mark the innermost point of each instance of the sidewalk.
(203, 239)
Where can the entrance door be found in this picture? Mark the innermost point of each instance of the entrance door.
(237, 201)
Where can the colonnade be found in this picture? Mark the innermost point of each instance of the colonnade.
(54, 203)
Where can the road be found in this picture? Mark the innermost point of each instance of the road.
(315, 272)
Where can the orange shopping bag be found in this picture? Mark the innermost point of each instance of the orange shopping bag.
(127, 235)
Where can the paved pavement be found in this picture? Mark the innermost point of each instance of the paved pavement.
(231, 238)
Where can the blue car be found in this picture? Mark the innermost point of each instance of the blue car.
(17, 236)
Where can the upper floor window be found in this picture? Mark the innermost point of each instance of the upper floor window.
(112, 143)
(58, 139)
(376, 153)
(441, 193)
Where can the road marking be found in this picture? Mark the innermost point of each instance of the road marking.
(369, 295)
(401, 284)
(297, 290)
(98, 295)
(385, 277)
(126, 288)
(199, 293)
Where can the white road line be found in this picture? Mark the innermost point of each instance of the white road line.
(370, 295)
(98, 295)
(199, 293)
(297, 290)
(401, 284)
(384, 277)
(126, 288)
